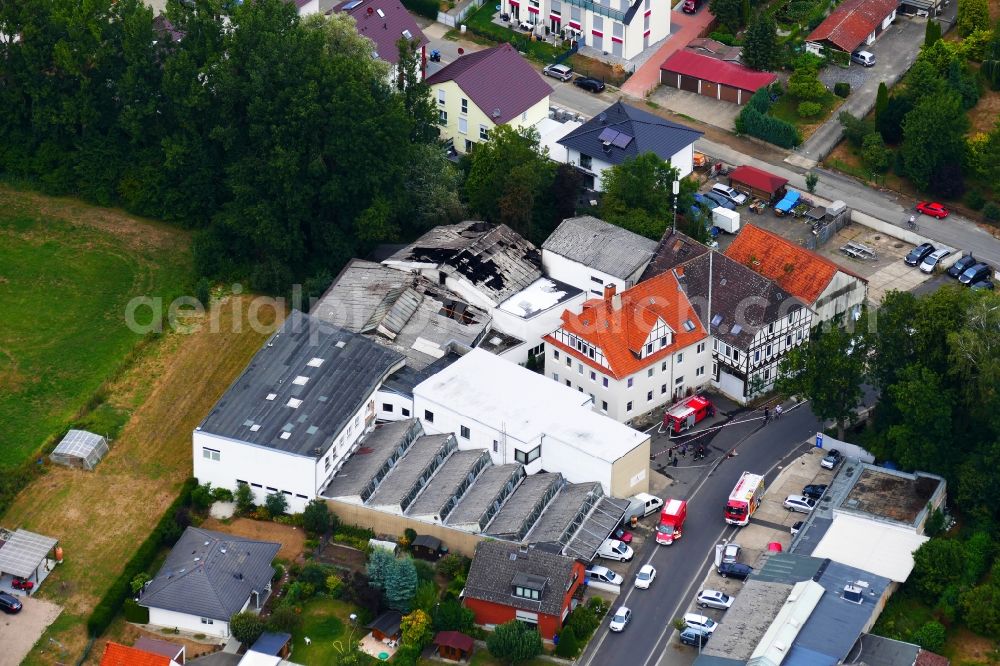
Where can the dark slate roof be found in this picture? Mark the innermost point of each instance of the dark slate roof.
(406, 378)
(523, 508)
(216, 659)
(352, 368)
(388, 623)
(384, 22)
(497, 80)
(271, 643)
(673, 250)
(600, 245)
(427, 541)
(210, 574)
(414, 471)
(650, 134)
(497, 563)
(873, 650)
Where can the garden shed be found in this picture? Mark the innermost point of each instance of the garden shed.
(80, 448)
(758, 183)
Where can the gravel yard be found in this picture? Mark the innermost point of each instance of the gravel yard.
(18, 633)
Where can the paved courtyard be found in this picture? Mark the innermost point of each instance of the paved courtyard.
(697, 107)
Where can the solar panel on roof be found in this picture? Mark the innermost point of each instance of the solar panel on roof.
(608, 135)
(352, 4)
(622, 140)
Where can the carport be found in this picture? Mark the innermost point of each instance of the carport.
(25, 555)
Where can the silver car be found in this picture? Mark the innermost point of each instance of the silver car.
(714, 599)
(800, 503)
(561, 72)
(932, 260)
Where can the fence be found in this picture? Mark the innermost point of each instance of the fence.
(454, 17)
(826, 229)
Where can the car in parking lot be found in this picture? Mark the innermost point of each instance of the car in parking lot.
(814, 490)
(831, 460)
(613, 549)
(733, 196)
(589, 83)
(797, 526)
(933, 209)
(561, 72)
(982, 284)
(706, 624)
(9, 603)
(695, 637)
(714, 599)
(645, 576)
(623, 535)
(736, 570)
(604, 575)
(974, 273)
(799, 503)
(918, 254)
(931, 261)
(967, 261)
(731, 553)
(864, 58)
(720, 200)
(620, 619)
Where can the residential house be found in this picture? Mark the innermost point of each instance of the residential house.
(830, 290)
(497, 270)
(753, 322)
(306, 7)
(206, 579)
(852, 25)
(385, 22)
(176, 651)
(116, 654)
(510, 582)
(484, 89)
(593, 256)
(700, 71)
(621, 132)
(634, 351)
(295, 413)
(622, 28)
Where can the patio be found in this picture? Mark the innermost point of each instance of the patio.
(380, 649)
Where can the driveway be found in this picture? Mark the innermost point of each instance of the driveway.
(698, 107)
(19, 633)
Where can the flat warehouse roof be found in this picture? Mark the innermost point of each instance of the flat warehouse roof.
(504, 396)
(871, 545)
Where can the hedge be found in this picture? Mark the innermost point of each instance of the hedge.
(136, 613)
(165, 533)
(842, 89)
(427, 8)
(755, 121)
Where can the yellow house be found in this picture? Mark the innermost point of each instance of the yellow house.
(484, 89)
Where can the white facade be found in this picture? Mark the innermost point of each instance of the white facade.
(531, 314)
(309, 7)
(620, 28)
(159, 617)
(581, 276)
(844, 295)
(593, 168)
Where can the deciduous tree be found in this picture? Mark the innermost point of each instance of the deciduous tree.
(933, 134)
(638, 195)
(246, 627)
(972, 15)
(728, 12)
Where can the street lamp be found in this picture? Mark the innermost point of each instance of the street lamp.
(677, 190)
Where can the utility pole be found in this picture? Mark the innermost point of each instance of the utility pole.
(677, 190)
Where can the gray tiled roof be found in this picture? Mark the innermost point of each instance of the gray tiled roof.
(496, 564)
(352, 368)
(522, 509)
(650, 134)
(872, 650)
(414, 471)
(492, 486)
(454, 478)
(211, 574)
(746, 621)
(378, 451)
(599, 245)
(596, 527)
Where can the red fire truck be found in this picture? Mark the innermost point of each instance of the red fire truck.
(671, 527)
(684, 415)
(744, 499)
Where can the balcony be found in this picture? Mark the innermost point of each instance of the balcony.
(599, 9)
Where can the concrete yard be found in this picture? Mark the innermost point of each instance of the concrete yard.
(19, 633)
(697, 107)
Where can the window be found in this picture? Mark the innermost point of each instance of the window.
(790, 317)
(700, 348)
(463, 125)
(555, 354)
(428, 416)
(604, 381)
(593, 376)
(767, 373)
(649, 396)
(496, 446)
(597, 280)
(527, 593)
(440, 96)
(524, 116)
(799, 336)
(326, 463)
(788, 340)
(464, 431)
(770, 327)
(484, 133)
(579, 368)
(405, 411)
(767, 352)
(736, 354)
(465, 105)
(663, 367)
(604, 406)
(630, 382)
(756, 356)
(679, 381)
(628, 406)
(680, 357)
(386, 407)
(649, 348)
(207, 620)
(569, 383)
(468, 146)
(210, 454)
(555, 376)
(531, 456)
(699, 372)
(586, 162)
(663, 389)
(569, 362)
(442, 117)
(649, 373)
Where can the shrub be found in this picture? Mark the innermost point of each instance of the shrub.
(809, 109)
(409, 535)
(203, 292)
(452, 565)
(136, 613)
(855, 129)
(222, 494)
(285, 619)
(975, 200)
(201, 497)
(139, 582)
(514, 641)
(244, 499)
(568, 645)
(425, 570)
(334, 585)
(276, 503)
(754, 121)
(426, 8)
(991, 211)
(584, 622)
(316, 517)
(451, 615)
(842, 89)
(811, 180)
(931, 636)
(246, 627)
(279, 572)
(315, 574)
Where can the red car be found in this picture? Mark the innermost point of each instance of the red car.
(623, 535)
(932, 208)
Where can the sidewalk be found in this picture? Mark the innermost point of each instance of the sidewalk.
(683, 28)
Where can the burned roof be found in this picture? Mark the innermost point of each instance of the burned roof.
(497, 564)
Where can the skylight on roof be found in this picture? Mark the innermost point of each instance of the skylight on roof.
(688, 325)
(340, 344)
(737, 329)
(407, 34)
(255, 427)
(300, 380)
(716, 320)
(294, 403)
(285, 435)
(381, 14)
(315, 362)
(271, 396)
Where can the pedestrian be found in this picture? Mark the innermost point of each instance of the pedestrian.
(777, 412)
(767, 415)
(673, 461)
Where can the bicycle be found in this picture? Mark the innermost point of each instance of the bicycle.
(911, 224)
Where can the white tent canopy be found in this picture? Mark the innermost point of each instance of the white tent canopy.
(80, 448)
(21, 552)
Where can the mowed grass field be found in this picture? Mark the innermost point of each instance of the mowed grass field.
(67, 271)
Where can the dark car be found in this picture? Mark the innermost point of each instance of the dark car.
(736, 570)
(982, 284)
(589, 83)
(9, 603)
(723, 201)
(695, 637)
(967, 261)
(918, 254)
(974, 274)
(814, 490)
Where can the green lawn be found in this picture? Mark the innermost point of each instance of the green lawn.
(786, 108)
(66, 274)
(326, 622)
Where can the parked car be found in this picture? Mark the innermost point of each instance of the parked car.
(694, 637)
(814, 490)
(974, 273)
(645, 577)
(589, 83)
(730, 194)
(918, 254)
(966, 261)
(933, 209)
(620, 619)
(799, 503)
(719, 200)
(931, 261)
(714, 599)
(623, 535)
(982, 284)
(604, 575)
(866, 58)
(831, 460)
(797, 526)
(731, 553)
(9, 603)
(613, 549)
(736, 570)
(702, 622)
(561, 72)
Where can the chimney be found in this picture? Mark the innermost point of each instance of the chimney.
(609, 291)
(616, 302)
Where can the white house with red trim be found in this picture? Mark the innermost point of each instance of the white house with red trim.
(621, 28)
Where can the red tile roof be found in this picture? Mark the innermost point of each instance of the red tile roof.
(498, 80)
(383, 22)
(454, 639)
(801, 272)
(700, 66)
(757, 179)
(621, 334)
(925, 658)
(116, 654)
(851, 22)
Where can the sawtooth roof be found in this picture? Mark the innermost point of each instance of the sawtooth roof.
(496, 565)
(600, 245)
(851, 22)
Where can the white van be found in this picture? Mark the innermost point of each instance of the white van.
(865, 58)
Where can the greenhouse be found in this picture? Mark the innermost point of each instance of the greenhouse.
(80, 448)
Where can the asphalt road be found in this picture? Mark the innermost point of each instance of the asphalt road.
(682, 567)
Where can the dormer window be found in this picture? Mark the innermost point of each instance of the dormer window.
(527, 593)
(528, 586)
